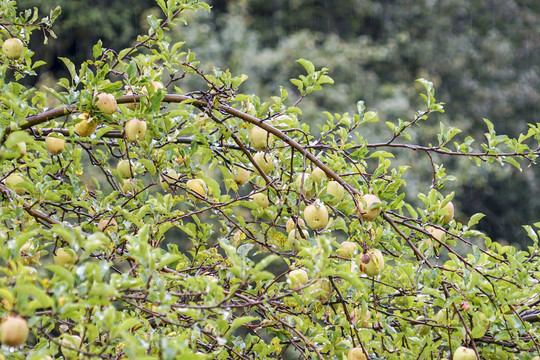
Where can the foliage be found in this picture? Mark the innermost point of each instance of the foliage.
(142, 262)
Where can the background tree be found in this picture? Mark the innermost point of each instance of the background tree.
(159, 212)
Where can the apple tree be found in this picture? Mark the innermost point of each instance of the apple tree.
(143, 218)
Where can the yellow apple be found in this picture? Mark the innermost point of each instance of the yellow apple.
(13, 331)
(65, 257)
(260, 139)
(86, 126)
(241, 175)
(130, 105)
(463, 353)
(365, 204)
(347, 249)
(261, 200)
(107, 226)
(297, 278)
(170, 177)
(55, 143)
(372, 262)
(73, 341)
(155, 84)
(265, 162)
(449, 212)
(336, 190)
(28, 252)
(316, 215)
(437, 234)
(124, 168)
(322, 289)
(359, 319)
(12, 181)
(13, 48)
(129, 186)
(135, 130)
(106, 103)
(198, 186)
(297, 234)
(318, 175)
(356, 354)
(307, 193)
(290, 225)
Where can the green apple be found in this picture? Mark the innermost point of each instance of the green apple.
(73, 341)
(356, 354)
(297, 234)
(359, 319)
(170, 177)
(372, 262)
(124, 169)
(55, 143)
(86, 126)
(65, 257)
(13, 48)
(241, 175)
(365, 204)
(29, 255)
(336, 190)
(198, 186)
(129, 186)
(347, 249)
(316, 215)
(265, 162)
(422, 329)
(318, 175)
(463, 353)
(449, 215)
(322, 289)
(260, 139)
(290, 225)
(155, 84)
(297, 278)
(13, 331)
(107, 226)
(261, 200)
(12, 181)
(436, 233)
(135, 130)
(106, 103)
(307, 193)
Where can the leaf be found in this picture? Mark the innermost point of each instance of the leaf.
(149, 166)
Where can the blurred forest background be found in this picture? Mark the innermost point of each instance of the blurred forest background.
(482, 55)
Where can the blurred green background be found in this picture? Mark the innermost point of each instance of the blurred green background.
(482, 55)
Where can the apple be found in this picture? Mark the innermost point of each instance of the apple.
(128, 186)
(265, 162)
(347, 249)
(22, 148)
(170, 177)
(12, 181)
(73, 341)
(124, 169)
(260, 139)
(155, 84)
(359, 319)
(65, 257)
(261, 200)
(318, 175)
(241, 175)
(372, 262)
(297, 278)
(463, 353)
(135, 130)
(322, 289)
(13, 331)
(436, 233)
(316, 215)
(107, 226)
(536, 358)
(308, 193)
(86, 126)
(290, 225)
(422, 329)
(106, 103)
(198, 186)
(336, 190)
(28, 252)
(449, 212)
(55, 143)
(130, 105)
(13, 48)
(297, 234)
(369, 214)
(356, 354)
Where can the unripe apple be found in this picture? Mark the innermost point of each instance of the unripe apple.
(297, 234)
(12, 181)
(65, 257)
(265, 162)
(260, 139)
(130, 105)
(322, 288)
(124, 169)
(106, 103)
(241, 175)
(337, 191)
(155, 84)
(28, 252)
(261, 200)
(318, 175)
(170, 177)
(128, 186)
(13, 48)
(13, 331)
(449, 212)
(198, 186)
(307, 193)
(422, 329)
(359, 319)
(356, 354)
(463, 353)
(316, 215)
(369, 214)
(536, 358)
(107, 226)
(86, 126)
(55, 143)
(347, 249)
(297, 278)
(372, 262)
(437, 234)
(73, 341)
(135, 130)
(290, 225)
